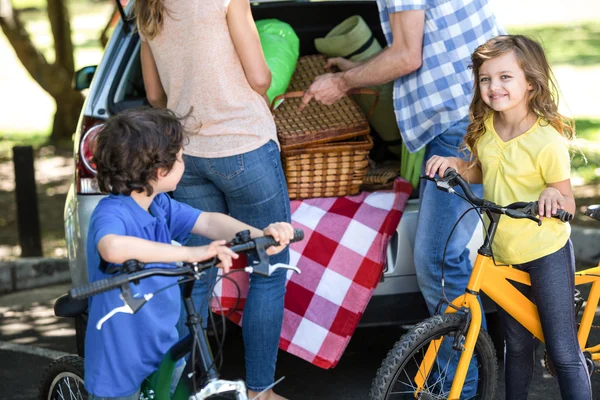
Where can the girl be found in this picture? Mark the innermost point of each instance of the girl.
(205, 58)
(519, 146)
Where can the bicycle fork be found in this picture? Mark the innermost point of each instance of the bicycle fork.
(470, 302)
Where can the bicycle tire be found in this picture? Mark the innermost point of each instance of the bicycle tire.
(403, 360)
(63, 376)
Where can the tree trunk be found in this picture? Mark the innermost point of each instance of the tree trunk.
(53, 78)
(68, 108)
(58, 14)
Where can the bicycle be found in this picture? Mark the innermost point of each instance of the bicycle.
(411, 370)
(63, 378)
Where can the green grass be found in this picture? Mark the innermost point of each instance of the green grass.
(586, 158)
(576, 44)
(10, 140)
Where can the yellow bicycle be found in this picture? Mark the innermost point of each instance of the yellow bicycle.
(412, 370)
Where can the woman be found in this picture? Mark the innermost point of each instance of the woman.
(204, 58)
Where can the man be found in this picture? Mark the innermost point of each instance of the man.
(429, 47)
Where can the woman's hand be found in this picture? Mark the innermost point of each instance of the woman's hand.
(282, 232)
(439, 165)
(341, 63)
(215, 249)
(550, 201)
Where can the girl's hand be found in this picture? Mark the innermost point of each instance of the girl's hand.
(215, 249)
(342, 64)
(439, 165)
(550, 201)
(282, 232)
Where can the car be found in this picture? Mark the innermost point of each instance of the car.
(116, 84)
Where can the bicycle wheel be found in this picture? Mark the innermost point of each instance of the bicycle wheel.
(395, 377)
(63, 380)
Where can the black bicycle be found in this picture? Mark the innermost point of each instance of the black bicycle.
(63, 378)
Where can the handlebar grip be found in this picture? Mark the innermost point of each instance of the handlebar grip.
(298, 235)
(101, 286)
(450, 173)
(562, 215)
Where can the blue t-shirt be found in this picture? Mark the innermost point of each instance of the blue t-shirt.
(129, 347)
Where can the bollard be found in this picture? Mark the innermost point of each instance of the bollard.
(28, 220)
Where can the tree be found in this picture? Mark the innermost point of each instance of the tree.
(55, 78)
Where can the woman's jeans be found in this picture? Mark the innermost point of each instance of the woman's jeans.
(438, 213)
(250, 187)
(552, 290)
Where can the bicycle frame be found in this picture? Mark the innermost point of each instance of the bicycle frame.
(494, 281)
(160, 381)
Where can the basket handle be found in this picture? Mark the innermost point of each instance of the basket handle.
(299, 93)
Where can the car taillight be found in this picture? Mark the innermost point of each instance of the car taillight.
(85, 168)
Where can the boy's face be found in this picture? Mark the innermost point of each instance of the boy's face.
(167, 181)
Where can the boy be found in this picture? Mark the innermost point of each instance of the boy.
(139, 158)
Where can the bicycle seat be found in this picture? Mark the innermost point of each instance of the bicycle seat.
(593, 212)
(67, 307)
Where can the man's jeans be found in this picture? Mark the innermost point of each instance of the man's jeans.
(438, 213)
(250, 187)
(552, 290)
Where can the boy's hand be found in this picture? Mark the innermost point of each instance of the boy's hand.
(550, 201)
(282, 232)
(440, 164)
(215, 249)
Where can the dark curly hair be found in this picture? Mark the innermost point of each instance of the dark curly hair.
(133, 145)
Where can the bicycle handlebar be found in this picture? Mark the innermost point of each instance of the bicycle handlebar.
(518, 210)
(104, 285)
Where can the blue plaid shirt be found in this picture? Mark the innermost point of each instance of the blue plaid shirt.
(437, 95)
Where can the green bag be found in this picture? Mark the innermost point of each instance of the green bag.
(353, 39)
(281, 47)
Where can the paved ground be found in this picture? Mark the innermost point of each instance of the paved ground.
(30, 337)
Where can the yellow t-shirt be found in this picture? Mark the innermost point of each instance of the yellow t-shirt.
(518, 170)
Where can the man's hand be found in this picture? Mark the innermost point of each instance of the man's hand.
(341, 63)
(326, 89)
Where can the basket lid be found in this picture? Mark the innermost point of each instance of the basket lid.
(317, 123)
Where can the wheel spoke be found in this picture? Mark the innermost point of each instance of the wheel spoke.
(60, 392)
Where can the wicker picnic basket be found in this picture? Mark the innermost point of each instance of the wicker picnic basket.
(324, 148)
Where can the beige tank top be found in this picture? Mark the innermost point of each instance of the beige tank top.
(200, 70)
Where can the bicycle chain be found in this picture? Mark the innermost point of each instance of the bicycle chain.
(550, 366)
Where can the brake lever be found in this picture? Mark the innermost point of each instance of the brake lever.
(440, 183)
(523, 213)
(130, 305)
(271, 269)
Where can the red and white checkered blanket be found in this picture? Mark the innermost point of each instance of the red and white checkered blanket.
(341, 259)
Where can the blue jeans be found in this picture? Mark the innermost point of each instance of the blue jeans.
(438, 213)
(250, 187)
(552, 290)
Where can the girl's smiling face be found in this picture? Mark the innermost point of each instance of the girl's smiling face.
(503, 85)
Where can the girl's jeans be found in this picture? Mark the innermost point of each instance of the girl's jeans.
(438, 213)
(250, 187)
(552, 290)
